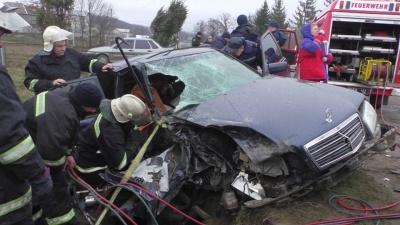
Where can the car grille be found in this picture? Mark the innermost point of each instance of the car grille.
(337, 143)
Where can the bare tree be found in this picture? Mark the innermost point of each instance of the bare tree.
(80, 8)
(104, 22)
(200, 26)
(213, 27)
(226, 21)
(93, 8)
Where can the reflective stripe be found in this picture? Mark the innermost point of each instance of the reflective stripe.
(32, 84)
(61, 219)
(123, 162)
(97, 125)
(18, 151)
(16, 203)
(89, 170)
(91, 65)
(40, 104)
(37, 215)
(55, 163)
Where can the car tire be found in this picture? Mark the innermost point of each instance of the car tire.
(103, 58)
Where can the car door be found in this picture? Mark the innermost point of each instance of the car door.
(290, 50)
(126, 47)
(142, 46)
(270, 51)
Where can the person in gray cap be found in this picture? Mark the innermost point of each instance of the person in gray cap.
(245, 51)
(221, 40)
(273, 27)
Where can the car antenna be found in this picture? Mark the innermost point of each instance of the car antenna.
(145, 93)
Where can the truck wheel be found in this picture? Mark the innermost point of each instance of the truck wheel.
(103, 58)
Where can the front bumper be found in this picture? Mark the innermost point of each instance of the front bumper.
(336, 173)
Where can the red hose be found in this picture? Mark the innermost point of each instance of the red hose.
(164, 202)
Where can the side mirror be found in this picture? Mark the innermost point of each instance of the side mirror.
(272, 68)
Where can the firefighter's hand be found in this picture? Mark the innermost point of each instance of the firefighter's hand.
(107, 67)
(69, 162)
(59, 82)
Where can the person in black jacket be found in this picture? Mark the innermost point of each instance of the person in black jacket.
(103, 142)
(52, 120)
(244, 29)
(56, 64)
(196, 40)
(278, 35)
(220, 41)
(245, 51)
(22, 170)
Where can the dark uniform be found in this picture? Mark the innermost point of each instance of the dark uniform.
(45, 67)
(52, 120)
(103, 144)
(20, 163)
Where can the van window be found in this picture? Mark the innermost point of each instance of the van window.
(142, 44)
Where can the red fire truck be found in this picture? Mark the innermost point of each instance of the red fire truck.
(364, 38)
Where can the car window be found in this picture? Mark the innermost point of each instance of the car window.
(205, 75)
(129, 44)
(153, 45)
(142, 44)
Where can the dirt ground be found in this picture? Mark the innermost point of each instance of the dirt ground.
(380, 164)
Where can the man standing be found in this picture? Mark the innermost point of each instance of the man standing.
(52, 121)
(220, 41)
(245, 51)
(56, 64)
(245, 30)
(102, 143)
(279, 35)
(196, 40)
(22, 170)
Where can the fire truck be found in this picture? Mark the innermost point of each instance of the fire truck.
(363, 36)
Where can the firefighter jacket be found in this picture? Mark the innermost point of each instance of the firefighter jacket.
(43, 68)
(19, 160)
(52, 121)
(102, 144)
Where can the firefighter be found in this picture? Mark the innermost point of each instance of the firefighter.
(20, 163)
(52, 120)
(56, 63)
(103, 142)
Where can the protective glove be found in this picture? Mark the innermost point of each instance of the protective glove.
(42, 191)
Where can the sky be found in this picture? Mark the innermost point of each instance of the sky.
(143, 12)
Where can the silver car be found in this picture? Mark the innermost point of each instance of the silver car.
(133, 46)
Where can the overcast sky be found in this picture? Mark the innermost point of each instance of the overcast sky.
(143, 12)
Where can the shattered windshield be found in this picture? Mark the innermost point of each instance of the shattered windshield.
(205, 75)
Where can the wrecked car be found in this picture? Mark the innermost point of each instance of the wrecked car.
(265, 138)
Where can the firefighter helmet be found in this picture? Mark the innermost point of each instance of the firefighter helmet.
(9, 20)
(54, 34)
(129, 107)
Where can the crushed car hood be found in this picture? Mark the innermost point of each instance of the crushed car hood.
(285, 110)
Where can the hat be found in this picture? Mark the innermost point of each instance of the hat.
(234, 44)
(209, 37)
(129, 107)
(242, 19)
(226, 35)
(199, 33)
(272, 24)
(87, 94)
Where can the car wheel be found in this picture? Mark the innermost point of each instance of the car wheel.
(103, 58)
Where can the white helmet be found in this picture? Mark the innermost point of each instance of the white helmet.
(9, 20)
(54, 34)
(129, 107)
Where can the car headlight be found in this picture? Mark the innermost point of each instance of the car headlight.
(368, 116)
